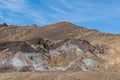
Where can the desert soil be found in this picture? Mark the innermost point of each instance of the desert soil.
(60, 76)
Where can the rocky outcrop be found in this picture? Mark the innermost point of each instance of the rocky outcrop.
(44, 55)
(3, 25)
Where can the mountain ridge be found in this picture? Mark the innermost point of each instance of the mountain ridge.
(55, 31)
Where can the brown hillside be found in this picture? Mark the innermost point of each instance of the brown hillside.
(57, 31)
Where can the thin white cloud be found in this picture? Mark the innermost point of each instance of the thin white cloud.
(86, 10)
(21, 7)
(58, 10)
(36, 16)
(13, 5)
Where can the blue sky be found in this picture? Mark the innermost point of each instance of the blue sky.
(103, 15)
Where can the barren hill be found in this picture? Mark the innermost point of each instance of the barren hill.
(57, 31)
(61, 30)
(61, 46)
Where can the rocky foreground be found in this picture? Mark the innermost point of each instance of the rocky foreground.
(58, 47)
